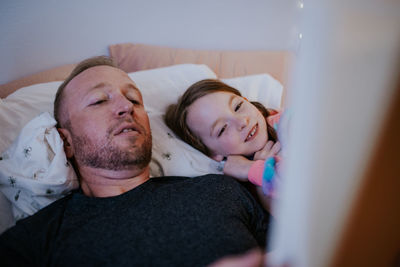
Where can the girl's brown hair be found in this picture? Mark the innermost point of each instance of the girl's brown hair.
(175, 116)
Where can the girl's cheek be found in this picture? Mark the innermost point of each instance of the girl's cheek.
(223, 144)
(229, 143)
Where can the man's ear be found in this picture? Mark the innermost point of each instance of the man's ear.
(217, 157)
(67, 139)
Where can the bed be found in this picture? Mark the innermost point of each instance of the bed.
(33, 169)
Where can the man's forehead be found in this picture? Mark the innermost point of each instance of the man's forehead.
(95, 76)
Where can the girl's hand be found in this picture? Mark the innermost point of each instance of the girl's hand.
(269, 150)
(238, 167)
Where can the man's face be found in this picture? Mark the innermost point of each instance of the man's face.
(109, 127)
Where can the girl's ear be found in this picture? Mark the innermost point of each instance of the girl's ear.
(67, 140)
(217, 157)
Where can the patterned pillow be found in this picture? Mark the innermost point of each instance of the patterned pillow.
(34, 171)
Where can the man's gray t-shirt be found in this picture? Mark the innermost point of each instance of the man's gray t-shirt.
(167, 221)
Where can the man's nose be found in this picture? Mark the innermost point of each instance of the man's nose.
(123, 107)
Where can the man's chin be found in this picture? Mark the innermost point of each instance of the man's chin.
(119, 154)
(129, 144)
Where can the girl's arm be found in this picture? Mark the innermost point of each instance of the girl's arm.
(238, 166)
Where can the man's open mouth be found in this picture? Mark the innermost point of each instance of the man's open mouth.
(126, 128)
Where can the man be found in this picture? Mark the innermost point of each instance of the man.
(120, 216)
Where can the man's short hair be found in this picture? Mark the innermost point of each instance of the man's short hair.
(60, 113)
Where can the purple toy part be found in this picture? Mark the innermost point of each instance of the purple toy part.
(268, 175)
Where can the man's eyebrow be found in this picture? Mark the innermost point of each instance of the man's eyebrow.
(99, 85)
(103, 84)
(216, 122)
(132, 86)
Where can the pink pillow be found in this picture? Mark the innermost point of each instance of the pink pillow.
(225, 63)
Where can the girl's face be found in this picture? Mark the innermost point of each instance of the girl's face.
(227, 124)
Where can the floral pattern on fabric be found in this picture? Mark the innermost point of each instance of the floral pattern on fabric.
(33, 171)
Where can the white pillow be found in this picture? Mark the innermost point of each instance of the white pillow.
(259, 87)
(34, 171)
(159, 87)
(23, 105)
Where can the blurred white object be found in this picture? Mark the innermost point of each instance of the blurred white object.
(343, 81)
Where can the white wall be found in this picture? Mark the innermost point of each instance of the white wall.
(37, 35)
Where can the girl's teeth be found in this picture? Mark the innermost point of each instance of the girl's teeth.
(252, 132)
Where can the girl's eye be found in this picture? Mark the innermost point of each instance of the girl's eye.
(237, 107)
(222, 131)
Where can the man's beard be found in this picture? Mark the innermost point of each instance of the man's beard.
(109, 156)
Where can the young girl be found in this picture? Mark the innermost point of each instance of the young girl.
(215, 119)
